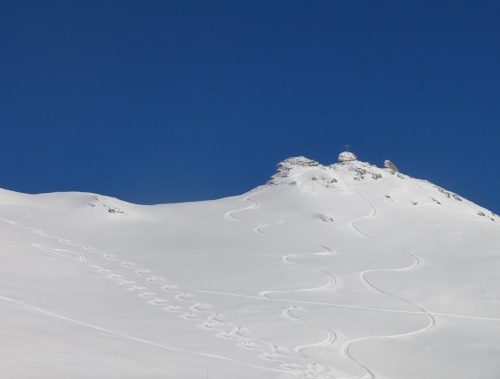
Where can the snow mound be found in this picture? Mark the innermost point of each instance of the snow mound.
(347, 156)
(102, 202)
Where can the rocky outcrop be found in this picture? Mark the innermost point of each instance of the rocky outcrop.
(347, 156)
(104, 203)
(288, 165)
(391, 166)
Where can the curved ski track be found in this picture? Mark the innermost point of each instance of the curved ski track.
(369, 374)
(287, 259)
(345, 348)
(174, 299)
(156, 291)
(314, 369)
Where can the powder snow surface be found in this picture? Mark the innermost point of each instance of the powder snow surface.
(341, 271)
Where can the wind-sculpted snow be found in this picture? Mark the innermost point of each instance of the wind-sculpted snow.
(328, 271)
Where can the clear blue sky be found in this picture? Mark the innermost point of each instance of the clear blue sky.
(168, 101)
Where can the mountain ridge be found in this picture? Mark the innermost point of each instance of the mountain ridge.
(330, 176)
(315, 275)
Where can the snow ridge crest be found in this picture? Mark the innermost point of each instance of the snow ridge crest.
(290, 169)
(311, 177)
(291, 166)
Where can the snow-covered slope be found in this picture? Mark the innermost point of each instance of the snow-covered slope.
(340, 271)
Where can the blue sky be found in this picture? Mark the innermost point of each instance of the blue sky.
(168, 101)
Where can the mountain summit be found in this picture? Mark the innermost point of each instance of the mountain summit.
(388, 184)
(344, 270)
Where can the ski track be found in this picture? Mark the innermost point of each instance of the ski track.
(314, 369)
(343, 305)
(186, 305)
(287, 260)
(230, 214)
(345, 348)
(62, 253)
(215, 322)
(137, 339)
(330, 339)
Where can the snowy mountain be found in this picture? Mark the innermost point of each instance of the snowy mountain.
(339, 271)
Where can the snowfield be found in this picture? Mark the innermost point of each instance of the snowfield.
(341, 271)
